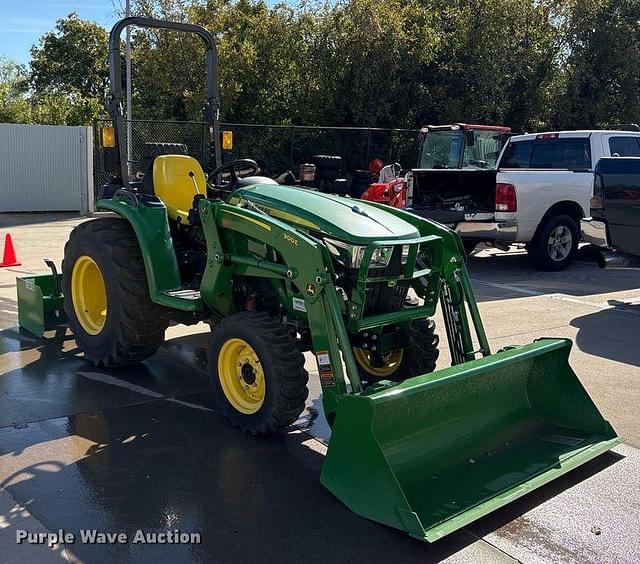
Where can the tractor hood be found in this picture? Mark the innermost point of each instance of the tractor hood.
(344, 218)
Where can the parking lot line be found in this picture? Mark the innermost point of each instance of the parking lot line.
(106, 379)
(562, 297)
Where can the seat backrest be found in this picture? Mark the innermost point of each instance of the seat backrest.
(176, 180)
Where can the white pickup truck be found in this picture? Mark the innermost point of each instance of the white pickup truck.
(537, 195)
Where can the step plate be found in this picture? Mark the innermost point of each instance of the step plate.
(184, 294)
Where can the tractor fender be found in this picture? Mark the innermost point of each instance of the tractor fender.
(151, 226)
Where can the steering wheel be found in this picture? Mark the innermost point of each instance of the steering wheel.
(232, 168)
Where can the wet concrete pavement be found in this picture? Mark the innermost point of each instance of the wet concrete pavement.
(145, 448)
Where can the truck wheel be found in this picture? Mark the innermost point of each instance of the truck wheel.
(418, 358)
(106, 297)
(257, 372)
(555, 244)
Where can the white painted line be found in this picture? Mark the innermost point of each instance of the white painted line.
(106, 379)
(189, 404)
(563, 297)
(507, 287)
(112, 381)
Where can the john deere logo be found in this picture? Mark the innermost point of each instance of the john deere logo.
(311, 289)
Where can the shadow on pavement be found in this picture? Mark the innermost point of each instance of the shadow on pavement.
(519, 279)
(18, 219)
(610, 333)
(161, 466)
(43, 378)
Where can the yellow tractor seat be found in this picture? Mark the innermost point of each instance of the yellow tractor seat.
(176, 180)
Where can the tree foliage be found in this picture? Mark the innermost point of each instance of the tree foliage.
(531, 64)
(14, 84)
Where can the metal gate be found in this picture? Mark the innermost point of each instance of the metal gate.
(46, 168)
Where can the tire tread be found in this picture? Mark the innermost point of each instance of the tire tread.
(142, 322)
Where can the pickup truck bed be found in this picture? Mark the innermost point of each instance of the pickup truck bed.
(537, 196)
(461, 190)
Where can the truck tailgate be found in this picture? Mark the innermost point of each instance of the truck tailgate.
(453, 191)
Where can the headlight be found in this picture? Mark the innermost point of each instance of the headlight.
(381, 257)
(405, 254)
(351, 255)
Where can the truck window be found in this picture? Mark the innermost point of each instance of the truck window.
(624, 146)
(441, 149)
(517, 154)
(572, 153)
(484, 151)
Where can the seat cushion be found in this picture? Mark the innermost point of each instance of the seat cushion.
(177, 179)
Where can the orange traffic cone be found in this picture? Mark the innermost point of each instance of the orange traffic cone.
(9, 258)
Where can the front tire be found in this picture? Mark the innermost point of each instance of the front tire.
(556, 243)
(106, 297)
(257, 372)
(419, 357)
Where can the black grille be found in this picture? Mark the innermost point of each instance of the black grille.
(382, 298)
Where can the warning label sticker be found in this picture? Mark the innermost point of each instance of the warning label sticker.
(327, 379)
(299, 305)
(324, 368)
(324, 363)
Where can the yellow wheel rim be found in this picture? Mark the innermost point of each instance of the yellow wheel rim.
(89, 295)
(390, 362)
(241, 376)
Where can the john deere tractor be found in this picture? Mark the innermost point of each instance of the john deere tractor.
(280, 270)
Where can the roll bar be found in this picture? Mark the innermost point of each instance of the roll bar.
(115, 101)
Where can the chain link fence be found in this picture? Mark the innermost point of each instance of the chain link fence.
(193, 134)
(285, 147)
(277, 147)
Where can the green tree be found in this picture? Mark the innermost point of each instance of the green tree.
(531, 64)
(598, 77)
(14, 86)
(263, 55)
(494, 61)
(69, 72)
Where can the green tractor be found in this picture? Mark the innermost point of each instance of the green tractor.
(280, 270)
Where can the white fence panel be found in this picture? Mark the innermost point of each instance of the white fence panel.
(45, 168)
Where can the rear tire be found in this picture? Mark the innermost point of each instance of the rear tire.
(257, 372)
(132, 326)
(327, 162)
(556, 243)
(418, 358)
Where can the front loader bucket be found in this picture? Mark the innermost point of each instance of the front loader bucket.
(438, 451)
(40, 302)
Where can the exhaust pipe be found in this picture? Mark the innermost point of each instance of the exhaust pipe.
(609, 259)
